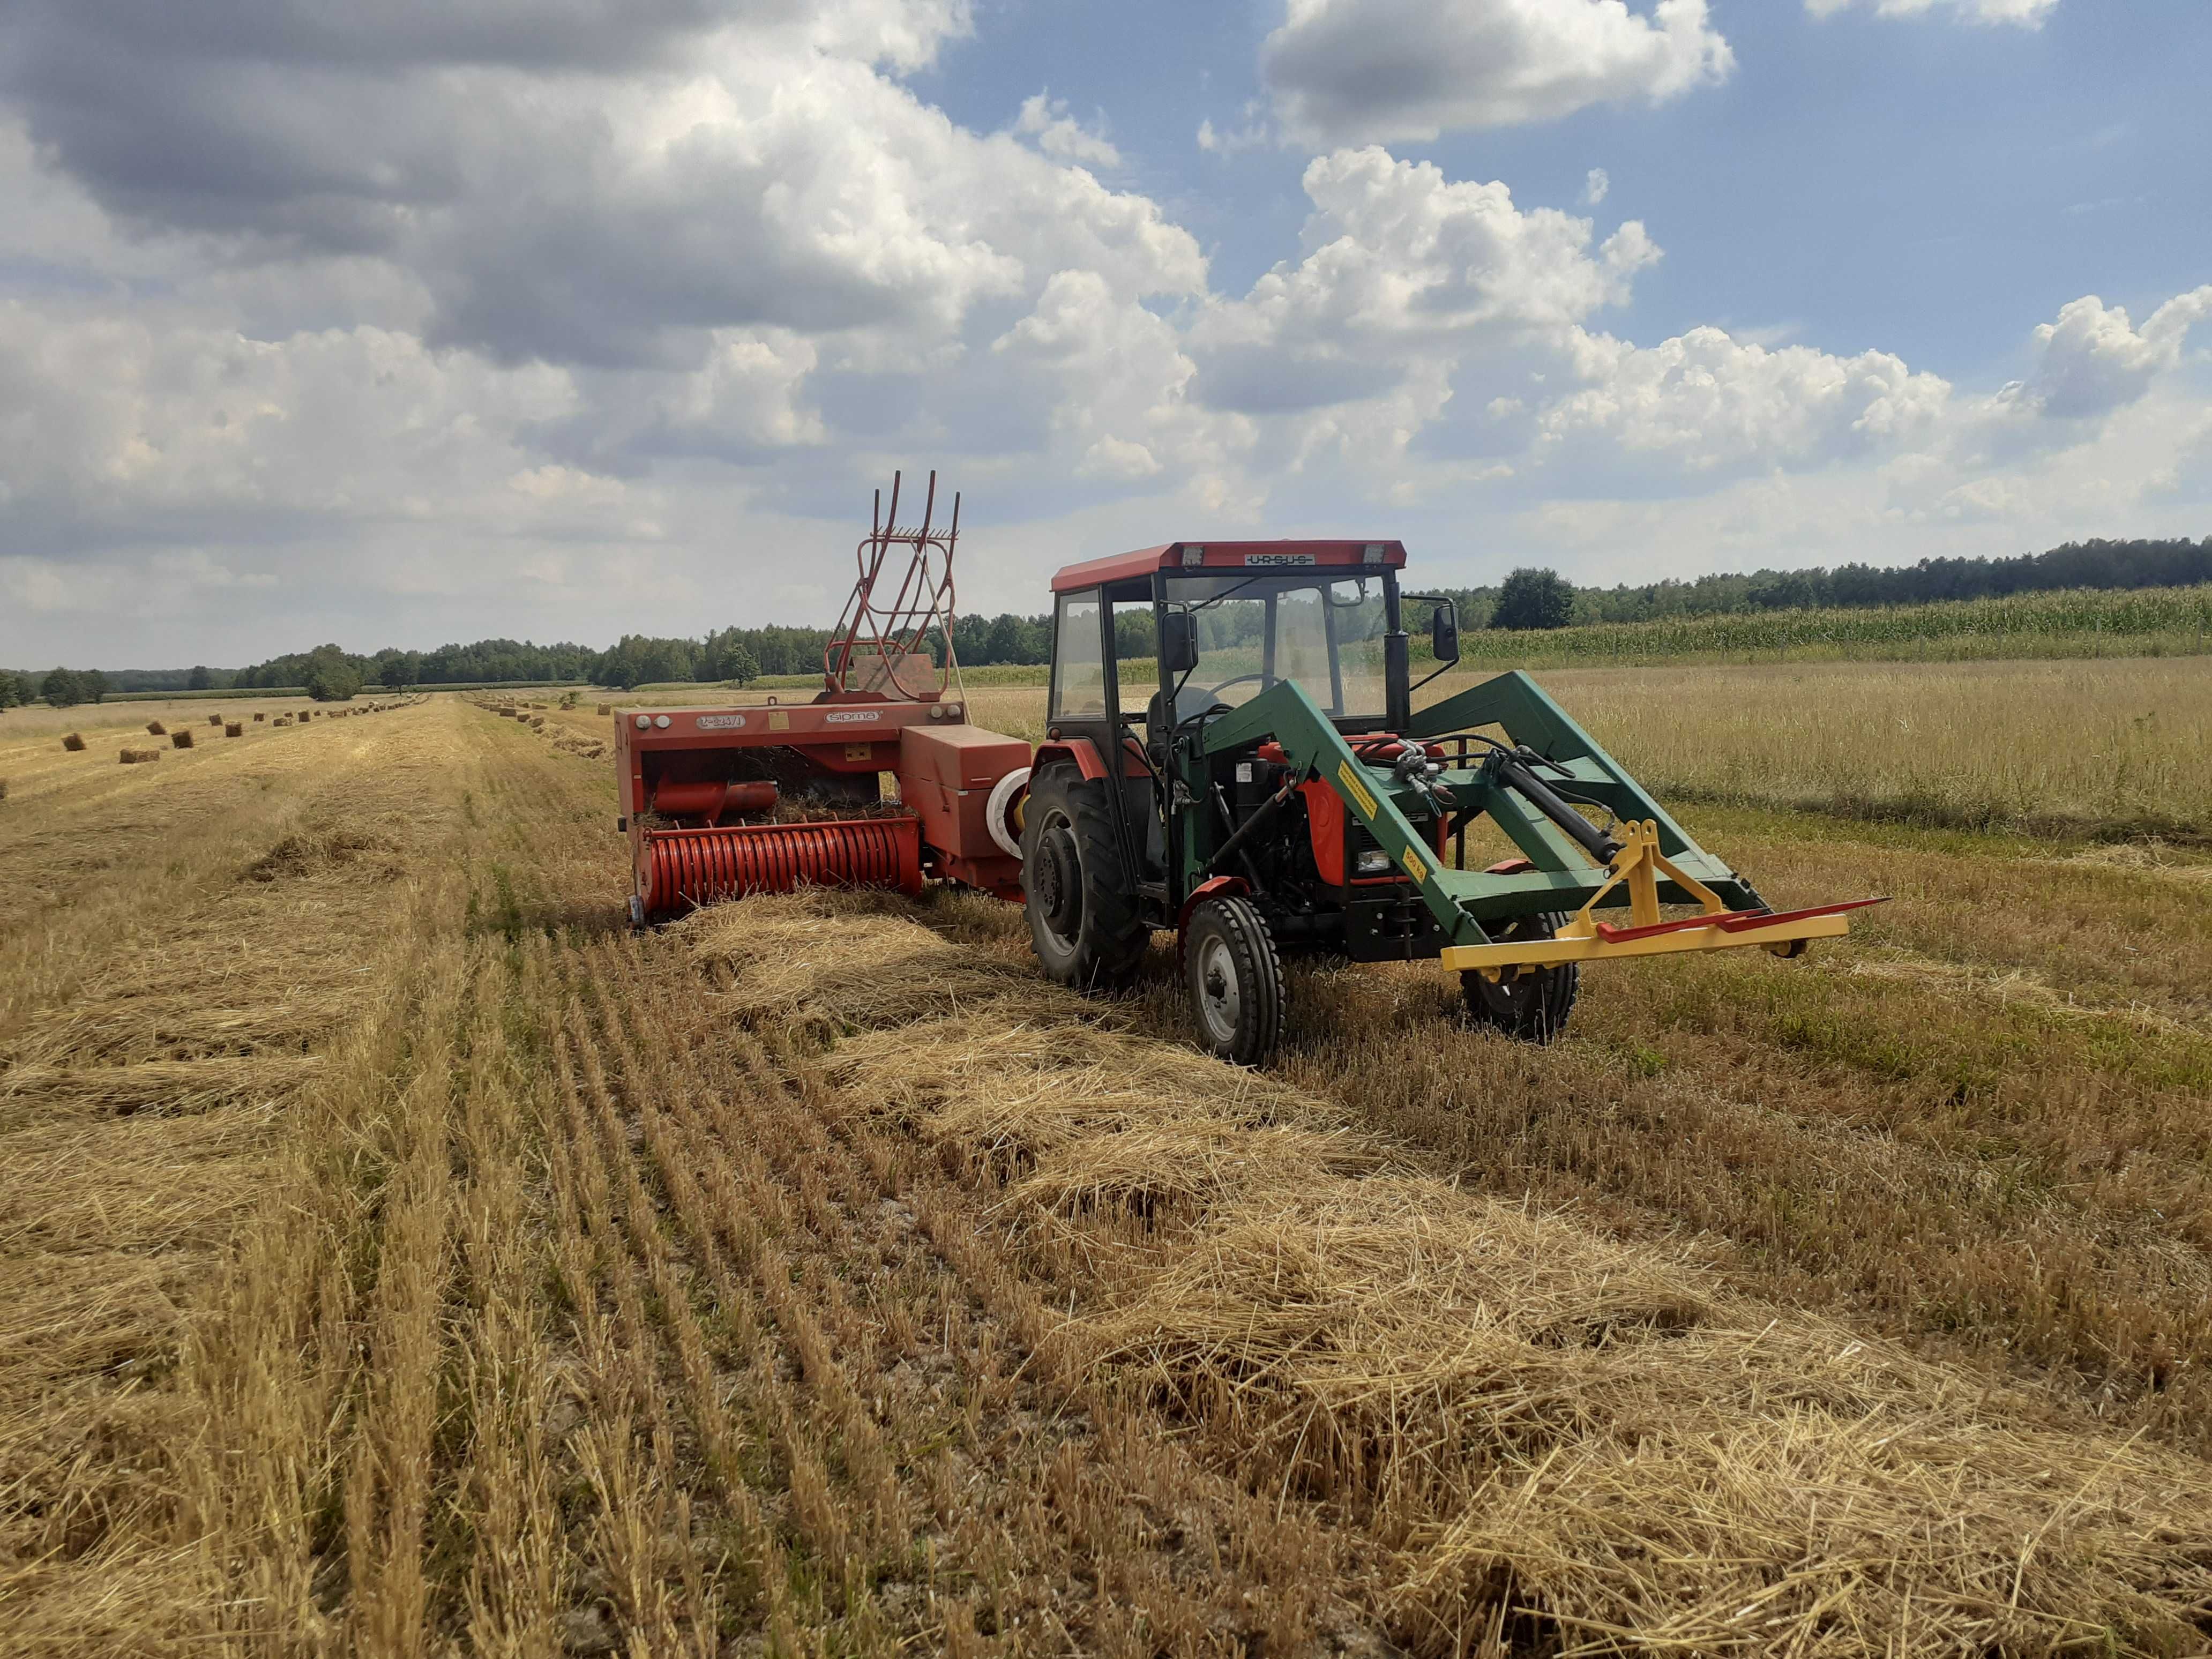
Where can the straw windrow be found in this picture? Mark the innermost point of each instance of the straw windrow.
(1532, 1424)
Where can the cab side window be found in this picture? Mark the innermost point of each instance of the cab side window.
(1079, 666)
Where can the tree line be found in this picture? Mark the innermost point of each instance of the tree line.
(1529, 598)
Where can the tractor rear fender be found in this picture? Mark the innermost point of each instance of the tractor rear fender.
(1083, 753)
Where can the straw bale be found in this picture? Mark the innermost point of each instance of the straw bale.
(181, 737)
(214, 719)
(259, 715)
(74, 743)
(155, 729)
(1520, 1413)
(234, 729)
(4, 788)
(606, 708)
(139, 756)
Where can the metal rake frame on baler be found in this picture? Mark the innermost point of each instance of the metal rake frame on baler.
(899, 634)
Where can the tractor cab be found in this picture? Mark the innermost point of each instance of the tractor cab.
(1165, 635)
(1233, 753)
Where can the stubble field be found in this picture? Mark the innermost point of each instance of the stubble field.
(401, 1258)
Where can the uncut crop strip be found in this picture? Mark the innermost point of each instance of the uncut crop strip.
(2160, 621)
(1527, 1422)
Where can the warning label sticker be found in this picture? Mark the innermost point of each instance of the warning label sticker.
(1356, 787)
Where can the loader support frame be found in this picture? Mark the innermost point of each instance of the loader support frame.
(1528, 781)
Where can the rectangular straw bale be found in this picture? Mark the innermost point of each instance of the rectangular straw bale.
(214, 719)
(259, 718)
(155, 729)
(74, 743)
(234, 729)
(140, 756)
(606, 708)
(181, 737)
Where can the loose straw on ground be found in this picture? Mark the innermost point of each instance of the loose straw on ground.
(1529, 1421)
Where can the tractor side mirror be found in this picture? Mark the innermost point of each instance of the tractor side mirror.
(1179, 642)
(1443, 632)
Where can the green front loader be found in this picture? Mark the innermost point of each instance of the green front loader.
(1267, 787)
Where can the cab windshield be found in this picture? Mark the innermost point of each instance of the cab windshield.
(1326, 633)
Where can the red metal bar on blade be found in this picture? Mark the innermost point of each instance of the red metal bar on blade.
(1733, 921)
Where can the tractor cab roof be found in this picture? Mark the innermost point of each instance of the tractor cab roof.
(1230, 556)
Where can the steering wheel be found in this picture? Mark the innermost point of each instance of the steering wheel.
(1237, 679)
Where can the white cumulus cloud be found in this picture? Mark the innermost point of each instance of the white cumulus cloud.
(2028, 13)
(1045, 120)
(1354, 71)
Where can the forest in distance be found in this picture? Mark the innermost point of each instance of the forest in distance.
(741, 654)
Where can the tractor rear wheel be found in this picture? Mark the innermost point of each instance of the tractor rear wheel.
(1081, 903)
(1529, 1003)
(1236, 981)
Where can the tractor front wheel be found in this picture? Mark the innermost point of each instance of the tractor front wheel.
(1235, 981)
(1529, 1003)
(1081, 905)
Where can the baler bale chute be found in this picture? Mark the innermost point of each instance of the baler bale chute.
(702, 789)
(1266, 786)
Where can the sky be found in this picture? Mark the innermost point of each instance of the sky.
(411, 323)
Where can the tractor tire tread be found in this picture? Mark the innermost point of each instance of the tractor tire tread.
(1538, 1015)
(1261, 1033)
(1111, 938)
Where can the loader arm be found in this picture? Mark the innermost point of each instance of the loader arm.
(1314, 748)
(1646, 860)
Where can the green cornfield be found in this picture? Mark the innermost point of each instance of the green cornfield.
(2151, 621)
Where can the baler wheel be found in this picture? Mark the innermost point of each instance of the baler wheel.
(1081, 905)
(1235, 977)
(1530, 1003)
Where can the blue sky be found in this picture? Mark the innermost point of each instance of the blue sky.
(1928, 186)
(573, 317)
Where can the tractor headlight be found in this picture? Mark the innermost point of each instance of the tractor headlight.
(1372, 862)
